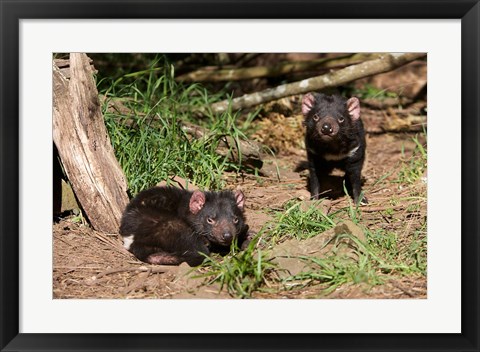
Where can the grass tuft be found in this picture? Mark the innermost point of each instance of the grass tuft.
(241, 272)
(299, 223)
(413, 168)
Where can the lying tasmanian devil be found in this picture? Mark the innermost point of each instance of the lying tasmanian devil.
(166, 225)
(334, 139)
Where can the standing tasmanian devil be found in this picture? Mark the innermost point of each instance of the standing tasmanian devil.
(334, 138)
(167, 225)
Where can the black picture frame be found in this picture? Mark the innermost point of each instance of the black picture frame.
(13, 11)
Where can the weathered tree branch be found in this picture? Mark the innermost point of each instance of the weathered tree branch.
(384, 63)
(84, 146)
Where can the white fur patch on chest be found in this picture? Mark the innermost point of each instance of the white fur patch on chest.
(337, 157)
(127, 241)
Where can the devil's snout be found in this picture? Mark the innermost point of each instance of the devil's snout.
(327, 127)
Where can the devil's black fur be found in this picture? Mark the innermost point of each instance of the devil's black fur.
(171, 225)
(334, 138)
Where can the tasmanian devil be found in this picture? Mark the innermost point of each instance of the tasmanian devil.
(167, 225)
(334, 138)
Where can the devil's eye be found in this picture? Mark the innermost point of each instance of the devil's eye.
(235, 220)
(341, 119)
(210, 221)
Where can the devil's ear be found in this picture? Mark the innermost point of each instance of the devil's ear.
(197, 201)
(308, 101)
(353, 107)
(240, 199)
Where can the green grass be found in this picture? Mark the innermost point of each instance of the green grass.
(404, 257)
(241, 272)
(295, 222)
(414, 167)
(149, 142)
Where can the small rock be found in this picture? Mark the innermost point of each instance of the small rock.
(349, 227)
(287, 254)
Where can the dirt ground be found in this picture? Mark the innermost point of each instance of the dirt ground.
(90, 264)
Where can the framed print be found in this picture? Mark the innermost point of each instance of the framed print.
(127, 306)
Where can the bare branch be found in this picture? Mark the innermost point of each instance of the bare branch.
(384, 63)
